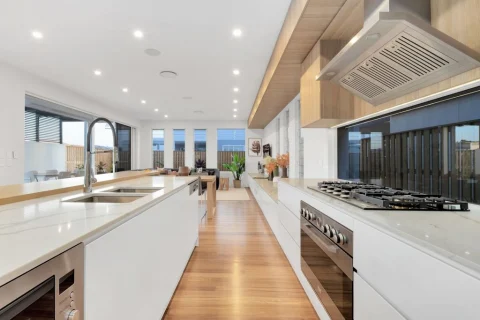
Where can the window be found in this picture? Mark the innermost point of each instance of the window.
(200, 145)
(158, 143)
(277, 138)
(229, 142)
(55, 138)
(103, 141)
(286, 147)
(178, 148)
(124, 134)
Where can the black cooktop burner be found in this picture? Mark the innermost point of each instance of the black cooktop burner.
(374, 197)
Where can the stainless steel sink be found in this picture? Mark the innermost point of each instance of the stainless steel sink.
(133, 190)
(106, 198)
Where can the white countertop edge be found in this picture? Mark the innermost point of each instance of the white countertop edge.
(88, 237)
(436, 252)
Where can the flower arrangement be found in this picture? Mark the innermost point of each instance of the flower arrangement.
(283, 160)
(270, 164)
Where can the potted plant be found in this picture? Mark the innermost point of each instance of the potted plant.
(200, 165)
(283, 162)
(101, 167)
(270, 167)
(237, 167)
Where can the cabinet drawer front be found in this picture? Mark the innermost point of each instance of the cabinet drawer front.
(290, 222)
(369, 305)
(416, 284)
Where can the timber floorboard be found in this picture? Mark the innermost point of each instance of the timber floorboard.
(239, 271)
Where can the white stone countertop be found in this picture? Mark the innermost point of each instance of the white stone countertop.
(34, 231)
(452, 237)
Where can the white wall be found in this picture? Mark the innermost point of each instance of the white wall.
(320, 153)
(14, 84)
(278, 140)
(41, 156)
(320, 145)
(190, 126)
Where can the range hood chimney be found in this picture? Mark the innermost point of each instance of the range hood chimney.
(397, 52)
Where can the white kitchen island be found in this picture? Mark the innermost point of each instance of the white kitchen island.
(135, 253)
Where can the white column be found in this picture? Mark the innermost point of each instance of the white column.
(168, 154)
(211, 148)
(189, 148)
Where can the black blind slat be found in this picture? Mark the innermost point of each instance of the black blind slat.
(42, 128)
(30, 126)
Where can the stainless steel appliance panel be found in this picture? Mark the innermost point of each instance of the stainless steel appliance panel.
(327, 266)
(54, 290)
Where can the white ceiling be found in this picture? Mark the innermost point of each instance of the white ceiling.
(194, 37)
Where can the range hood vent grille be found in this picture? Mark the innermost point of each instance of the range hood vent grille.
(403, 60)
(397, 52)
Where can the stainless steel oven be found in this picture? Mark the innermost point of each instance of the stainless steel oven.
(327, 261)
(51, 291)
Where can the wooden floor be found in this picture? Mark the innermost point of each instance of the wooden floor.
(239, 271)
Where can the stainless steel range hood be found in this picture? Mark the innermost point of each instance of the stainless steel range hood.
(397, 52)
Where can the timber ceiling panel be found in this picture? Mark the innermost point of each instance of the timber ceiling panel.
(306, 21)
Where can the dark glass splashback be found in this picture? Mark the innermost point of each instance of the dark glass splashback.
(433, 149)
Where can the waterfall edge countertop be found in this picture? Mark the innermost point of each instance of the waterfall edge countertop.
(34, 231)
(27, 191)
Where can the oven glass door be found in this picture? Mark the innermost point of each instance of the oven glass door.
(37, 304)
(329, 270)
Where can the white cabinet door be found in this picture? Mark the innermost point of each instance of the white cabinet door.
(132, 271)
(417, 285)
(290, 222)
(369, 305)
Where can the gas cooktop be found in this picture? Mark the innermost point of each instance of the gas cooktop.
(375, 197)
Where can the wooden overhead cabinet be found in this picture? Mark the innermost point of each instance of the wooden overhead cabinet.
(323, 103)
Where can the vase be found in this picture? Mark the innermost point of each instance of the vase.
(270, 176)
(284, 173)
(237, 184)
(275, 172)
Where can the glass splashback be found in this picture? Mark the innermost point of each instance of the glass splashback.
(434, 150)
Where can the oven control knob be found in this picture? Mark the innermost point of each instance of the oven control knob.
(312, 216)
(325, 228)
(340, 238)
(72, 314)
(303, 212)
(332, 233)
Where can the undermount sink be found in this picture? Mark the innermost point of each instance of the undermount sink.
(133, 190)
(106, 198)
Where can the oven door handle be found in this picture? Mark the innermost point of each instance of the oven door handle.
(312, 232)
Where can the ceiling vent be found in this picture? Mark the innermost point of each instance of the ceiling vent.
(168, 74)
(397, 52)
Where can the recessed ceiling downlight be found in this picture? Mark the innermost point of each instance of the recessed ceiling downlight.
(237, 33)
(125, 90)
(168, 74)
(37, 34)
(152, 52)
(138, 34)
